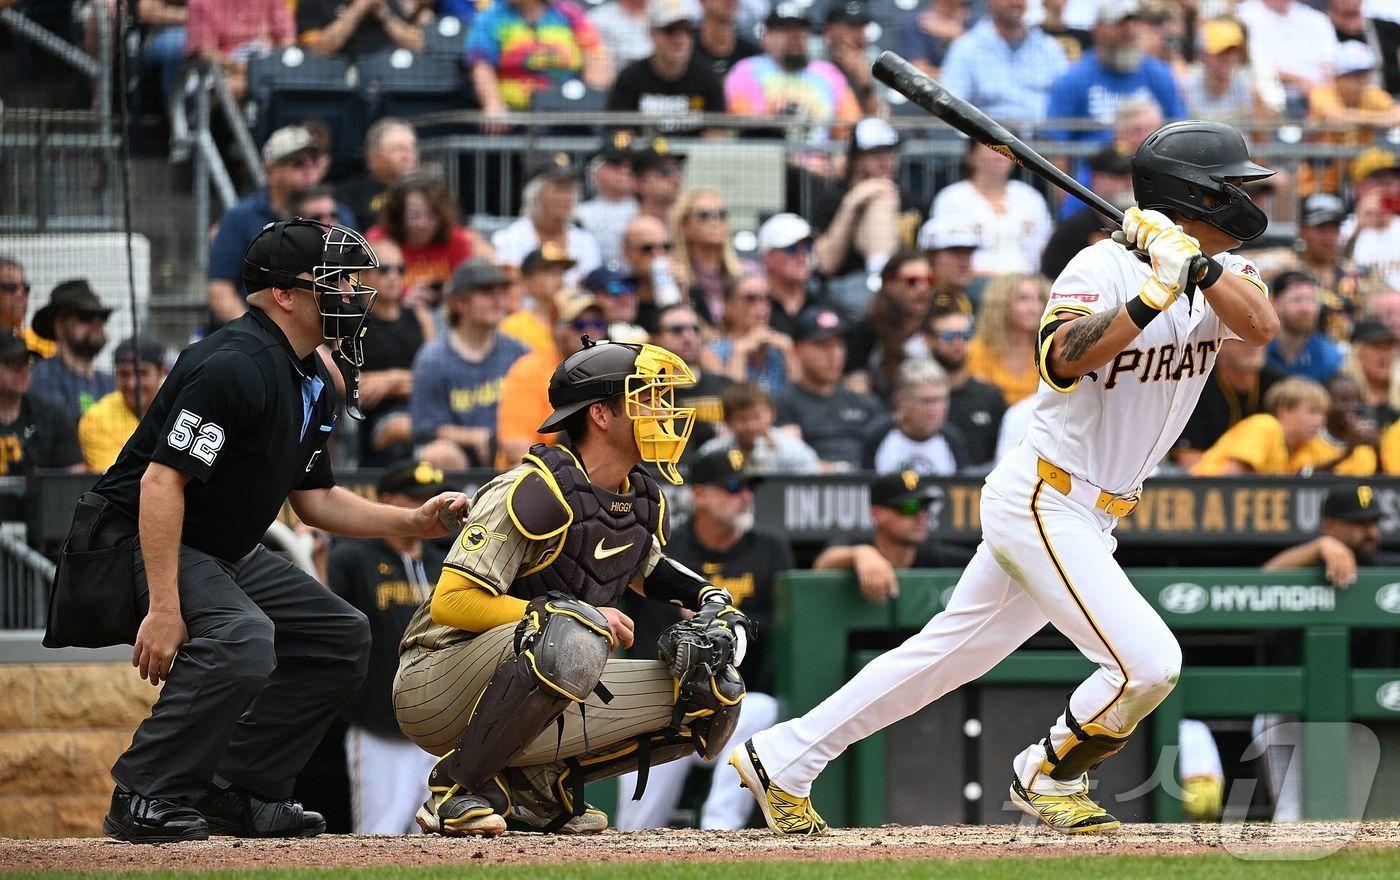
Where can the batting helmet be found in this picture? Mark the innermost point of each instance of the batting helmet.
(647, 377)
(1194, 168)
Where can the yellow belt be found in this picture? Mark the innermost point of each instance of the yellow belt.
(1113, 505)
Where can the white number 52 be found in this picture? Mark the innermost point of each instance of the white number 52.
(203, 439)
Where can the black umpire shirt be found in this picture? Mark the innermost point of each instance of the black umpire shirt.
(747, 570)
(388, 587)
(246, 421)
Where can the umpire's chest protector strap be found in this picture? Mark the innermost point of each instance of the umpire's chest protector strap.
(600, 540)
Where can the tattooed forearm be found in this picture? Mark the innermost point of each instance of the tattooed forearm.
(1082, 333)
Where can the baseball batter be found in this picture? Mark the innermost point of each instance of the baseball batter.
(1127, 342)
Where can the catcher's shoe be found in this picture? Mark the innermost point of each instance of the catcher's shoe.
(1202, 797)
(592, 821)
(786, 814)
(453, 812)
(1066, 813)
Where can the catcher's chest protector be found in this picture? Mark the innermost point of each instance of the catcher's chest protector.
(606, 545)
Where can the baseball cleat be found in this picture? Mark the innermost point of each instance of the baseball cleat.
(785, 814)
(1202, 797)
(452, 812)
(1066, 813)
(235, 812)
(593, 821)
(137, 819)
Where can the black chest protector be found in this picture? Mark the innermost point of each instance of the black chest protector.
(606, 537)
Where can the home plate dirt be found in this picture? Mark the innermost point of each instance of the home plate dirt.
(888, 842)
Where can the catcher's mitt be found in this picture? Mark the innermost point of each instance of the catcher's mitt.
(700, 650)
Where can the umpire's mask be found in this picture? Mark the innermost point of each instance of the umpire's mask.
(334, 256)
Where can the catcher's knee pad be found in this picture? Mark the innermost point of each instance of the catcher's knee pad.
(1088, 746)
(561, 648)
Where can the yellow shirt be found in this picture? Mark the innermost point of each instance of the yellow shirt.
(525, 400)
(42, 347)
(983, 364)
(1258, 442)
(528, 329)
(1390, 450)
(104, 429)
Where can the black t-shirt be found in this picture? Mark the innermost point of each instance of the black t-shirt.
(1074, 41)
(40, 436)
(828, 202)
(976, 410)
(1220, 407)
(720, 64)
(389, 345)
(704, 396)
(1070, 236)
(747, 570)
(238, 416)
(388, 588)
(364, 196)
(834, 426)
(369, 36)
(638, 89)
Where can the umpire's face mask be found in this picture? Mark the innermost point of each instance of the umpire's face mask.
(341, 297)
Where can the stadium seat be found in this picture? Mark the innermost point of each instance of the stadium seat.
(571, 96)
(446, 36)
(398, 83)
(293, 85)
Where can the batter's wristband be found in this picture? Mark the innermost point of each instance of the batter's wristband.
(1140, 313)
(1213, 272)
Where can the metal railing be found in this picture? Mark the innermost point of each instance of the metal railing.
(25, 578)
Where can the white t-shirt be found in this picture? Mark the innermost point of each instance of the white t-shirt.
(514, 243)
(1301, 42)
(1113, 425)
(1010, 241)
(898, 452)
(1377, 249)
(626, 37)
(606, 222)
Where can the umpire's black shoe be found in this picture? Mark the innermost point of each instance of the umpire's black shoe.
(137, 819)
(234, 812)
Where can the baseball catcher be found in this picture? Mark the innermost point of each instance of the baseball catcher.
(505, 672)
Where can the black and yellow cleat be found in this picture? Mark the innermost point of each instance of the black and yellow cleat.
(453, 812)
(1066, 813)
(786, 814)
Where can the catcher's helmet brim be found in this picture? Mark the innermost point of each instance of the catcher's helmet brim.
(554, 423)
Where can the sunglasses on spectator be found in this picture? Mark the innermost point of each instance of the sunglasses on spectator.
(15, 287)
(393, 268)
(912, 280)
(954, 335)
(735, 485)
(676, 29)
(655, 247)
(619, 288)
(592, 326)
(912, 507)
(706, 216)
(669, 170)
(800, 249)
(678, 329)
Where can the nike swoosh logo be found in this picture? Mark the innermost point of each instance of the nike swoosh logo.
(601, 552)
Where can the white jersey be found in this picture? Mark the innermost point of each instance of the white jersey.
(1114, 424)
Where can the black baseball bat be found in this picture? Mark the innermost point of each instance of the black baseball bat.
(911, 82)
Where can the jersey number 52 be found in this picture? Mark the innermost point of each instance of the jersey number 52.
(203, 439)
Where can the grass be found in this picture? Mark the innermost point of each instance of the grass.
(1349, 864)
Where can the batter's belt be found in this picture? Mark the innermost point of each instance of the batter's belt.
(1083, 492)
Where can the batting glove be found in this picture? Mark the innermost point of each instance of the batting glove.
(1171, 254)
(1141, 228)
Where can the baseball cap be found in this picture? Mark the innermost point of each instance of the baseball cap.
(815, 324)
(476, 273)
(1354, 504)
(785, 15)
(139, 350)
(1354, 57)
(284, 143)
(547, 256)
(573, 304)
(616, 148)
(1111, 160)
(1371, 330)
(416, 479)
(873, 133)
(781, 231)
(13, 350)
(1220, 35)
(850, 12)
(609, 282)
(892, 490)
(556, 166)
(657, 152)
(1320, 208)
(1372, 161)
(944, 232)
(664, 13)
(1114, 11)
(719, 468)
(74, 295)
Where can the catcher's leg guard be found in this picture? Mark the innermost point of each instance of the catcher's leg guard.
(561, 650)
(712, 712)
(1088, 746)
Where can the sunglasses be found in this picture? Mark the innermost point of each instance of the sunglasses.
(735, 485)
(15, 287)
(911, 507)
(954, 335)
(678, 329)
(591, 325)
(802, 248)
(393, 268)
(666, 170)
(653, 247)
(915, 280)
(619, 288)
(707, 216)
(674, 30)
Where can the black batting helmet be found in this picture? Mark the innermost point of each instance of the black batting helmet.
(1194, 168)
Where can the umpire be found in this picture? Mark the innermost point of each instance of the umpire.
(164, 552)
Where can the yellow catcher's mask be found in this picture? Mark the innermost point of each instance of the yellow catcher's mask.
(662, 429)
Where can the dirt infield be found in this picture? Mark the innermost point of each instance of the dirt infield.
(889, 842)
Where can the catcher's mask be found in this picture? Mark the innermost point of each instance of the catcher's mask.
(334, 256)
(647, 377)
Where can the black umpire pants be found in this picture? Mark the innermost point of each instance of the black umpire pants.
(272, 658)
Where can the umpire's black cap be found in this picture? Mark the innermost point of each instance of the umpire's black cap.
(416, 479)
(1353, 504)
(300, 248)
(893, 490)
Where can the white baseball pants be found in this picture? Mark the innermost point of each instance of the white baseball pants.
(1043, 557)
(388, 781)
(727, 806)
